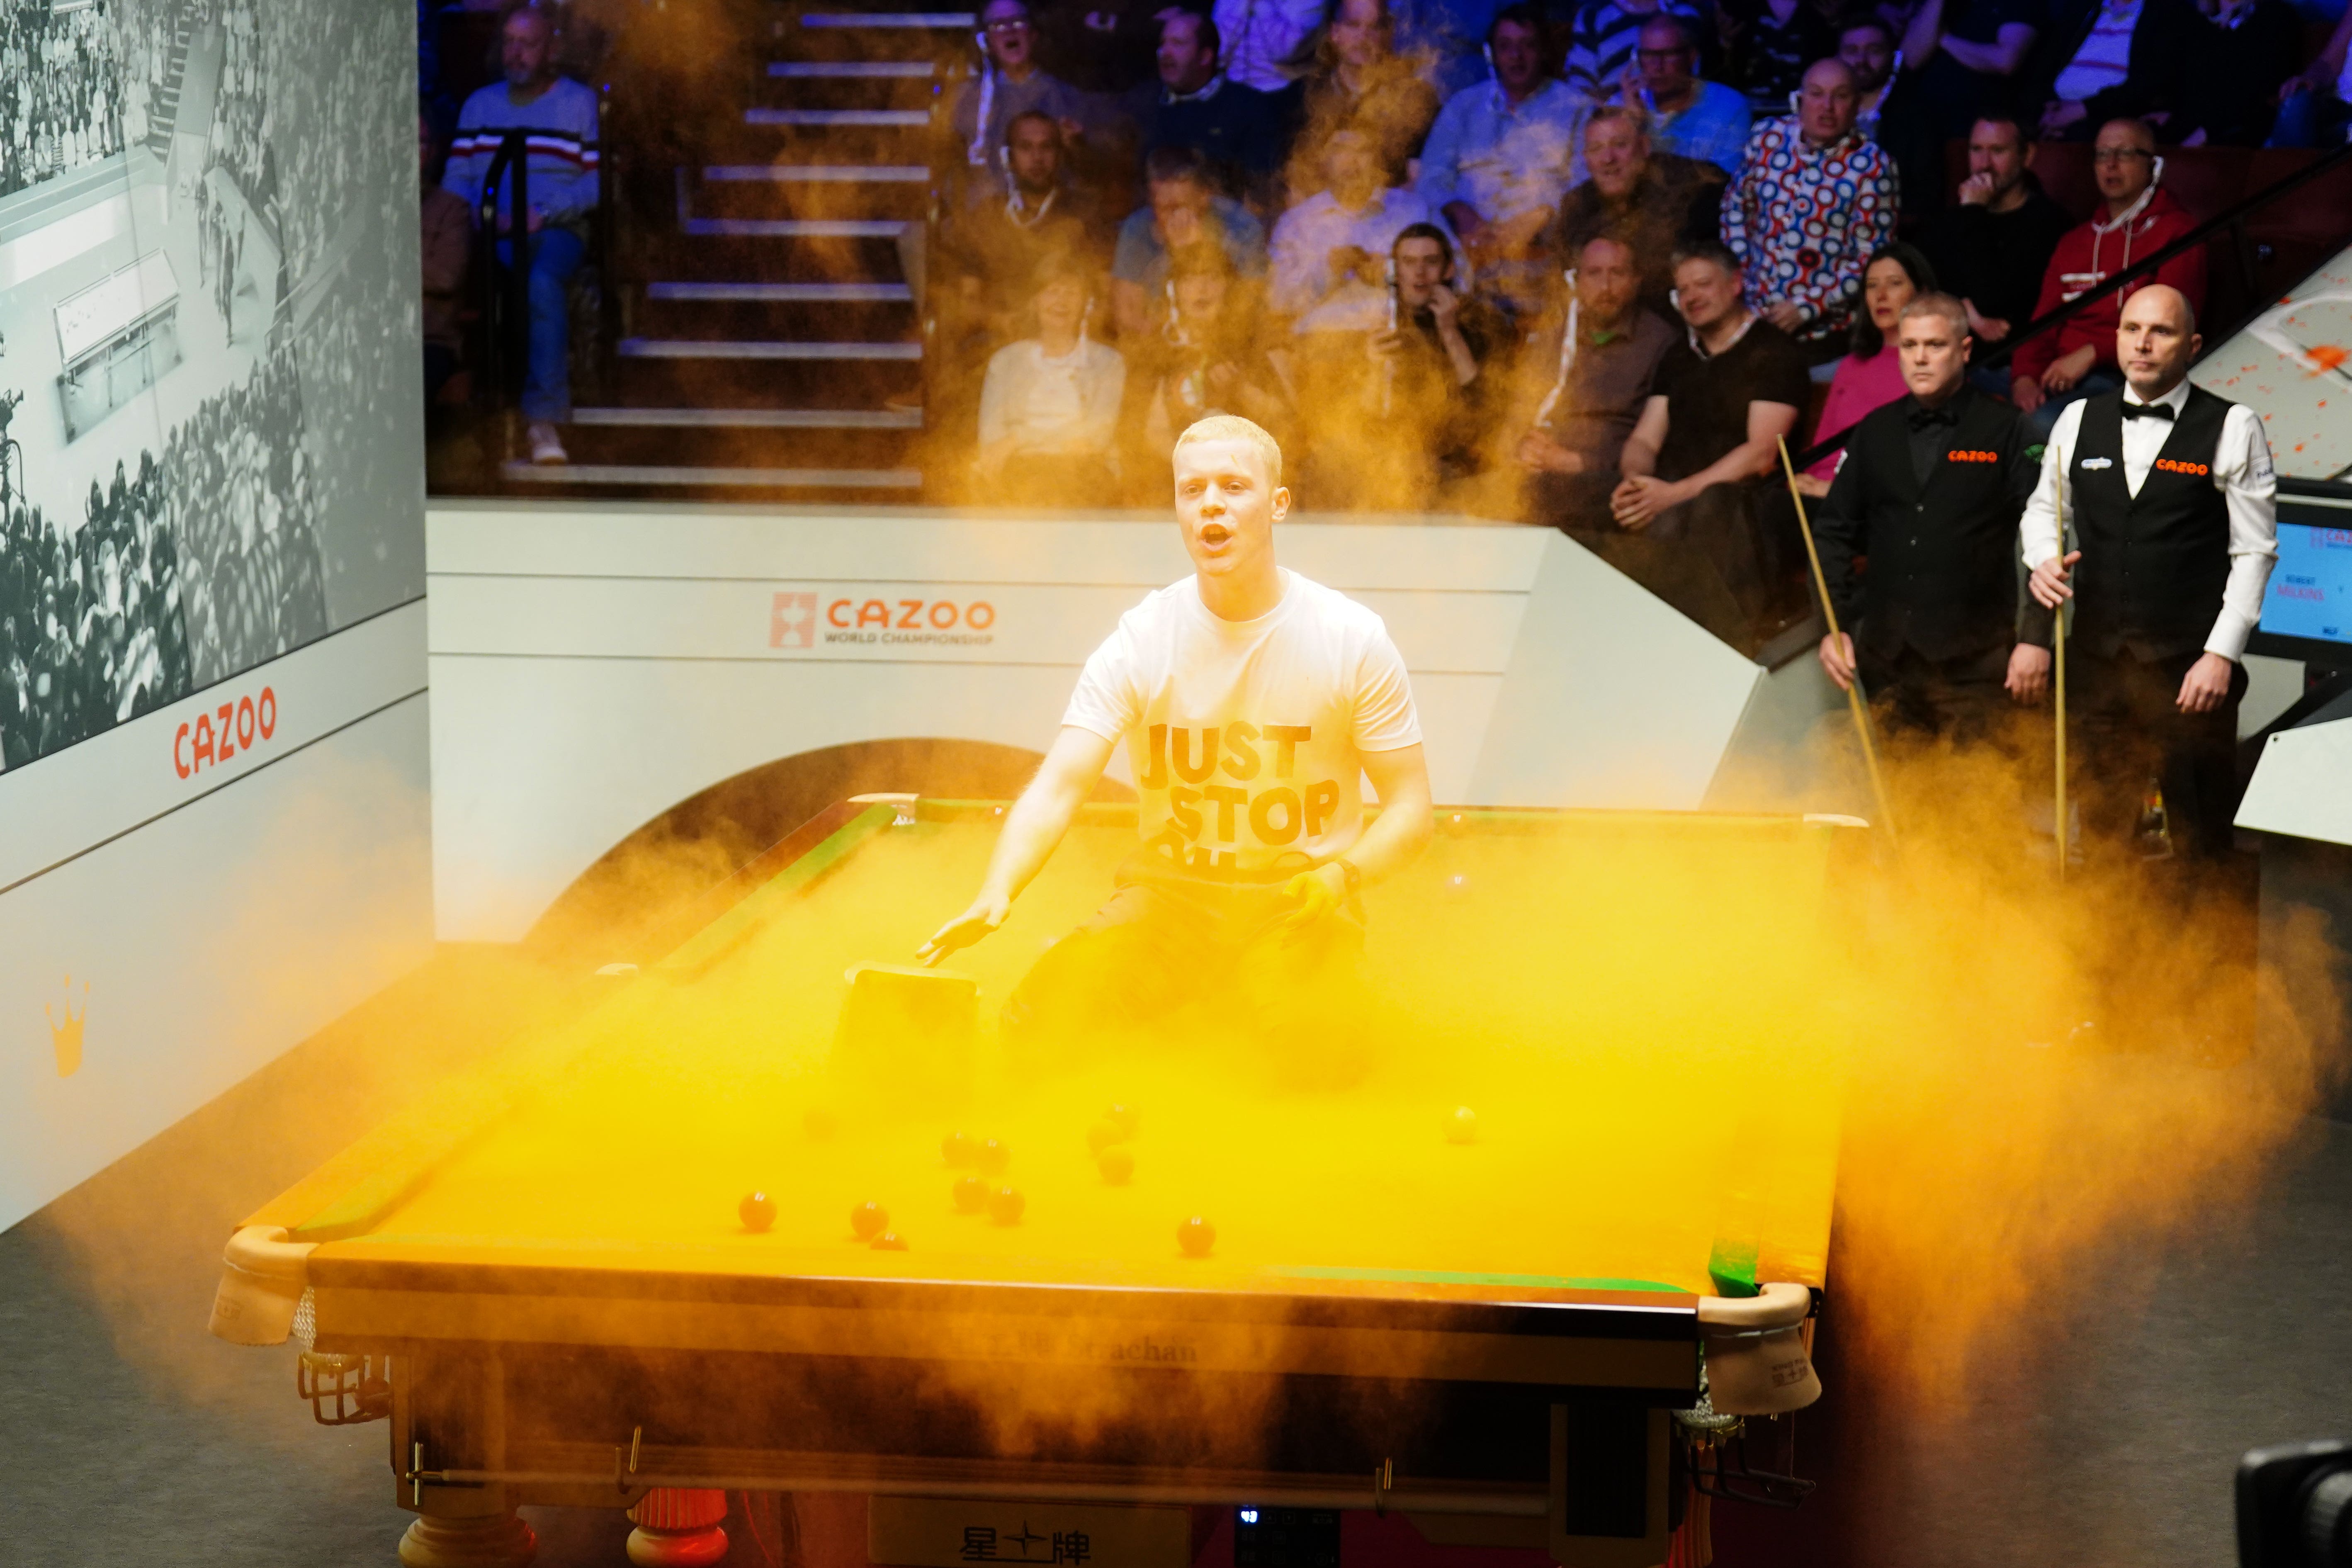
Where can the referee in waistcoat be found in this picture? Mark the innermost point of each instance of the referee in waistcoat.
(2170, 492)
(1930, 490)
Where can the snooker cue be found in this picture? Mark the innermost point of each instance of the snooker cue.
(2058, 670)
(1856, 701)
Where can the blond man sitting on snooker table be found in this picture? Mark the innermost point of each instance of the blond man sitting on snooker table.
(1251, 701)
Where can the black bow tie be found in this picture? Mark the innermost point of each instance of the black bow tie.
(2148, 411)
(1925, 418)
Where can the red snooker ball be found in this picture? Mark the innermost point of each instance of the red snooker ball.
(890, 1241)
(971, 1195)
(1196, 1236)
(992, 1157)
(1117, 1165)
(956, 1149)
(1102, 1135)
(1124, 1119)
(869, 1220)
(1005, 1206)
(757, 1210)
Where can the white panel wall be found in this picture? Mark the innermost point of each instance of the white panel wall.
(593, 666)
(206, 924)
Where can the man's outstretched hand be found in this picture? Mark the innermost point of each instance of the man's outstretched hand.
(985, 916)
(1319, 893)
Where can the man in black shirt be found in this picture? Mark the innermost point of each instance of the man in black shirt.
(1695, 465)
(1992, 249)
(1930, 490)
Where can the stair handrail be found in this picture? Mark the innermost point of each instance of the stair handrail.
(507, 332)
(2228, 219)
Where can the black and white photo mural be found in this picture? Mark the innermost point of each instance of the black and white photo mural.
(208, 400)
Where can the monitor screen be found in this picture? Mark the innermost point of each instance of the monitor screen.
(2310, 592)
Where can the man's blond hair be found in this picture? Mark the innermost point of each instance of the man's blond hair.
(1234, 428)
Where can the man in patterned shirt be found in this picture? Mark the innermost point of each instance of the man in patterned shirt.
(1812, 201)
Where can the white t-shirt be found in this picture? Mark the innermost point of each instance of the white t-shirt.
(1248, 737)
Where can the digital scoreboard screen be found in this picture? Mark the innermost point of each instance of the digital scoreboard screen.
(2310, 592)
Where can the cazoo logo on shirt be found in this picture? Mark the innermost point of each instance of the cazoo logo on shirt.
(806, 618)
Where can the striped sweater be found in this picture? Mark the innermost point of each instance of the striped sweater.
(563, 171)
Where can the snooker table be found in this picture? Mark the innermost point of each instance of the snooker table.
(1470, 1255)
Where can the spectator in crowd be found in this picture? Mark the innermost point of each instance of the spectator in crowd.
(1104, 47)
(2313, 102)
(561, 116)
(2207, 71)
(1502, 155)
(2077, 358)
(1689, 118)
(1207, 358)
(1361, 80)
(1010, 82)
(1812, 203)
(1655, 201)
(1183, 209)
(1268, 44)
(445, 246)
(1931, 491)
(1343, 233)
(991, 248)
(1049, 407)
(59, 92)
(1967, 57)
(1603, 40)
(2100, 59)
(1866, 45)
(1870, 376)
(1699, 482)
(1238, 129)
(1772, 42)
(1430, 377)
(1992, 246)
(1601, 353)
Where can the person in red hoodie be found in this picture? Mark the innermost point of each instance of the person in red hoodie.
(2077, 360)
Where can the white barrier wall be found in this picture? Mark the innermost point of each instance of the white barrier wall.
(595, 665)
(213, 775)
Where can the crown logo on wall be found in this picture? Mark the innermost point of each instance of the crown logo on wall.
(65, 1034)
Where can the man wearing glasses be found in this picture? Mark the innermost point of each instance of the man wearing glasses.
(1689, 117)
(2138, 218)
(1010, 84)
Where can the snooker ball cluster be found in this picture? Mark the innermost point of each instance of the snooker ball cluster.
(1106, 1141)
(981, 1192)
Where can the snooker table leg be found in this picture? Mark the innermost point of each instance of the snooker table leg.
(477, 1540)
(448, 1413)
(678, 1527)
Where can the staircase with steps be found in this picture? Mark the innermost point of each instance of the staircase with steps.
(771, 342)
(164, 113)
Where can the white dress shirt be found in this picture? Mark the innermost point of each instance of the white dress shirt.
(2241, 472)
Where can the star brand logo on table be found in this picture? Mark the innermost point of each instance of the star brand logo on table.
(65, 1028)
(791, 623)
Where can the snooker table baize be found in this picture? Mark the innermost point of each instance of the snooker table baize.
(1517, 1254)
